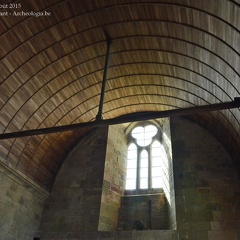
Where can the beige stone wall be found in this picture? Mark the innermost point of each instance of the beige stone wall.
(21, 205)
(114, 178)
(206, 185)
(150, 209)
(168, 178)
(74, 205)
(207, 191)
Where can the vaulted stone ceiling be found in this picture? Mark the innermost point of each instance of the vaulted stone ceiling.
(165, 54)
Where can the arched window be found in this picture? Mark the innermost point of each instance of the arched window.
(131, 167)
(144, 158)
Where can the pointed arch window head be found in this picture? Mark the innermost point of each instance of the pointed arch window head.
(144, 159)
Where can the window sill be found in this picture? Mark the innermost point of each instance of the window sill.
(143, 192)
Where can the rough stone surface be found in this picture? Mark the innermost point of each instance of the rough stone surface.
(114, 178)
(21, 205)
(206, 186)
(151, 210)
(206, 191)
(74, 205)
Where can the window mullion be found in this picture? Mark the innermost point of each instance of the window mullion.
(149, 168)
(138, 167)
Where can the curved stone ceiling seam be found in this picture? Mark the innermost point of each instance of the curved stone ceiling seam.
(157, 3)
(59, 136)
(191, 103)
(61, 73)
(43, 136)
(46, 101)
(162, 87)
(41, 69)
(233, 132)
(177, 52)
(219, 133)
(45, 85)
(21, 158)
(209, 66)
(111, 79)
(78, 106)
(216, 70)
(51, 63)
(168, 76)
(173, 75)
(50, 144)
(44, 157)
(229, 114)
(235, 2)
(132, 21)
(93, 119)
(186, 55)
(96, 84)
(97, 57)
(52, 164)
(175, 66)
(184, 41)
(189, 27)
(143, 103)
(225, 123)
(46, 151)
(49, 47)
(128, 5)
(220, 112)
(189, 7)
(222, 115)
(23, 22)
(58, 23)
(25, 19)
(218, 95)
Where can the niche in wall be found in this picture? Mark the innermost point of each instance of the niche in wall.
(119, 208)
(150, 209)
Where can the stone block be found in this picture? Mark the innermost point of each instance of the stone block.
(217, 215)
(200, 235)
(232, 235)
(216, 235)
(230, 225)
(215, 225)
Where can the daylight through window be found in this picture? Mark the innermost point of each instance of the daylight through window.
(144, 159)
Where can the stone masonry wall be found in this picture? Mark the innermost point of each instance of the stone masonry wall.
(21, 205)
(114, 178)
(168, 178)
(207, 191)
(74, 205)
(150, 209)
(206, 185)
